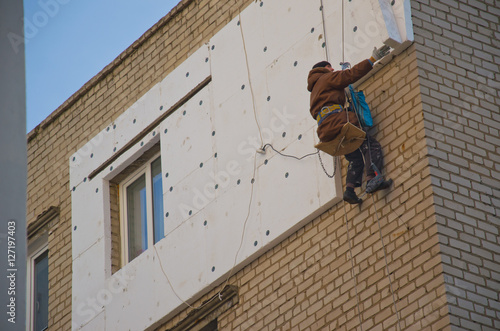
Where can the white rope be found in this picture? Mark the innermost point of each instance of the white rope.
(324, 29)
(249, 80)
(343, 28)
(353, 273)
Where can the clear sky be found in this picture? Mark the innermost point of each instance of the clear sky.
(69, 41)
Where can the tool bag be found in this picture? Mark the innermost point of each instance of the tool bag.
(348, 140)
(361, 108)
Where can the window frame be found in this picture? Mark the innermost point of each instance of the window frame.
(145, 170)
(35, 250)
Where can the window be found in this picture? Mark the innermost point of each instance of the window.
(142, 209)
(38, 289)
(37, 270)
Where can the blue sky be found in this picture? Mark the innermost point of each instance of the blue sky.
(69, 41)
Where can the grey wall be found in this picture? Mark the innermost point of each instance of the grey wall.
(13, 164)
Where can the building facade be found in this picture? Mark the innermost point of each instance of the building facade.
(152, 207)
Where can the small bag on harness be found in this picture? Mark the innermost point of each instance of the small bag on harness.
(361, 108)
(348, 140)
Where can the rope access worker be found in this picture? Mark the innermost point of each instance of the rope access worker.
(327, 108)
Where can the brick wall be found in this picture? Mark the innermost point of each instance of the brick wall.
(146, 62)
(458, 58)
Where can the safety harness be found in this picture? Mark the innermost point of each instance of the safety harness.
(327, 111)
(347, 141)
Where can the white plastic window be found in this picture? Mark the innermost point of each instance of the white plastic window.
(142, 209)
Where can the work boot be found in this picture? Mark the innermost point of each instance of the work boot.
(351, 197)
(377, 183)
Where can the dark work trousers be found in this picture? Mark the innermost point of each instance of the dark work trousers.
(372, 152)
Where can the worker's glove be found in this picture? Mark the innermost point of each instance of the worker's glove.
(380, 53)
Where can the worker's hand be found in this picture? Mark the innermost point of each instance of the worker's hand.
(381, 52)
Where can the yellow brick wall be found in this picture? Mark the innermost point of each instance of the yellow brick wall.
(306, 282)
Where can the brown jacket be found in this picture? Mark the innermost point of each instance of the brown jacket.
(327, 88)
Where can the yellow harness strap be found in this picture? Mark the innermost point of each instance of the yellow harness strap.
(327, 111)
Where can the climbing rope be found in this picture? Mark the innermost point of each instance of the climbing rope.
(343, 28)
(343, 202)
(354, 276)
(324, 28)
(344, 66)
